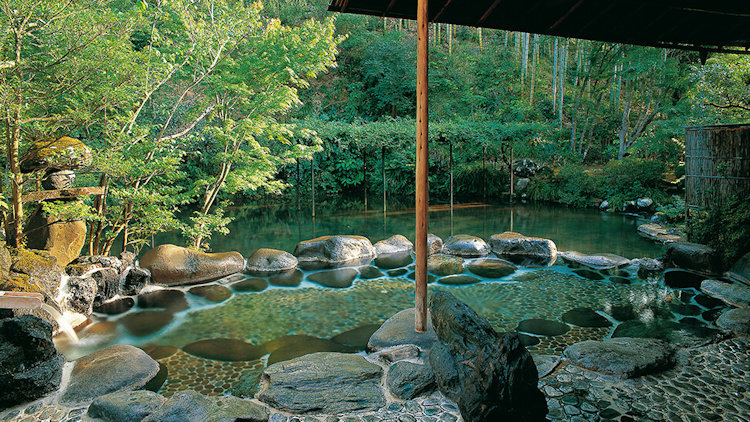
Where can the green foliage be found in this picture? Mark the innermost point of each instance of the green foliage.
(724, 228)
(630, 179)
(203, 226)
(673, 211)
(570, 185)
(721, 90)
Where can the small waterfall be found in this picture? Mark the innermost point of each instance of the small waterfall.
(62, 322)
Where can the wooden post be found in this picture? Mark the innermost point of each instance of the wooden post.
(511, 175)
(450, 165)
(420, 239)
(312, 183)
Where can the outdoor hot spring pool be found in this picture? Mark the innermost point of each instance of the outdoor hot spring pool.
(212, 337)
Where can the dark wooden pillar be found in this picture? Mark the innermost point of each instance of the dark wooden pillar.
(420, 239)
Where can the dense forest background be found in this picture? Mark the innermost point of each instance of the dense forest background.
(192, 107)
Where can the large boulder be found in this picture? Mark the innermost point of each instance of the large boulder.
(134, 280)
(741, 270)
(622, 357)
(81, 294)
(61, 154)
(266, 261)
(491, 378)
(112, 369)
(40, 267)
(173, 265)
(331, 383)
(434, 244)
(601, 261)
(693, 256)
(30, 367)
(63, 239)
(394, 244)
(511, 244)
(334, 250)
(399, 330)
(466, 246)
(734, 294)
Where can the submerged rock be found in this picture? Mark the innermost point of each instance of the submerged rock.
(224, 349)
(394, 244)
(357, 337)
(394, 260)
(287, 279)
(601, 261)
(680, 279)
(339, 278)
(369, 272)
(250, 285)
(329, 383)
(622, 357)
(170, 299)
(442, 264)
(543, 327)
(466, 246)
(585, 317)
(145, 323)
(491, 268)
(648, 267)
(693, 256)
(671, 331)
(458, 280)
(126, 406)
(30, 366)
(213, 292)
(191, 406)
(407, 380)
(591, 275)
(173, 265)
(117, 306)
(297, 346)
(515, 244)
(112, 369)
(399, 330)
(334, 250)
(732, 293)
(491, 378)
(270, 261)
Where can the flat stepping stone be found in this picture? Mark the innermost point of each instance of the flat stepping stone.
(660, 233)
(528, 340)
(737, 320)
(159, 352)
(357, 337)
(543, 327)
(369, 272)
(585, 317)
(399, 330)
(442, 264)
(224, 349)
(685, 309)
(125, 406)
(591, 275)
(395, 260)
(622, 357)
(599, 262)
(338, 279)
(251, 284)
(213, 293)
(732, 293)
(491, 268)
(671, 331)
(287, 279)
(169, 299)
(112, 369)
(145, 323)
(266, 261)
(192, 406)
(709, 302)
(458, 280)
(328, 383)
(115, 307)
(466, 246)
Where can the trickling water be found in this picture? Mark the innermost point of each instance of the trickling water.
(62, 322)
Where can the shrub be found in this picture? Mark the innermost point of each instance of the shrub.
(724, 228)
(631, 178)
(570, 185)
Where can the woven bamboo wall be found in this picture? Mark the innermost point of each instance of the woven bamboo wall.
(717, 164)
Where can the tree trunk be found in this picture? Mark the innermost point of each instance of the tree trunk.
(16, 178)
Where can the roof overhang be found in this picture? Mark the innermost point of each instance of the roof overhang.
(716, 25)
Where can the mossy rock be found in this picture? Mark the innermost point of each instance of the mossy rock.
(65, 153)
(16, 282)
(40, 267)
